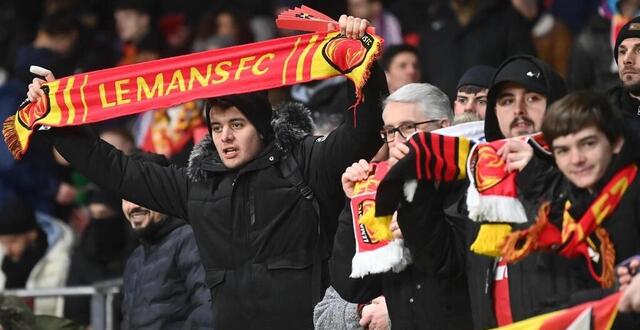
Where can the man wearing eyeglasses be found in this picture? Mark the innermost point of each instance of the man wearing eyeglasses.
(411, 108)
(415, 298)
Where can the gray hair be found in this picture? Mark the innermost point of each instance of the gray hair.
(432, 102)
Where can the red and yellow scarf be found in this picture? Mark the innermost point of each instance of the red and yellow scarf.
(573, 240)
(376, 249)
(492, 197)
(105, 94)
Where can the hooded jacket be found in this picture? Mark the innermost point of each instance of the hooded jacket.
(543, 281)
(257, 235)
(555, 90)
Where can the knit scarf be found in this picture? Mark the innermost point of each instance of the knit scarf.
(574, 239)
(106, 94)
(492, 197)
(376, 249)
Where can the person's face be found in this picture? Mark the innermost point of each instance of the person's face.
(403, 69)
(130, 24)
(226, 25)
(359, 8)
(139, 217)
(519, 111)
(101, 211)
(628, 62)
(15, 245)
(404, 117)
(236, 139)
(583, 157)
(467, 102)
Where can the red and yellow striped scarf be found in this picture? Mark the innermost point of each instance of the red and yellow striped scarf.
(573, 240)
(105, 94)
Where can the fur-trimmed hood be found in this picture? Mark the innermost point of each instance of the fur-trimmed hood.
(291, 122)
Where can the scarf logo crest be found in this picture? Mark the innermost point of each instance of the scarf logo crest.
(30, 116)
(345, 54)
(490, 168)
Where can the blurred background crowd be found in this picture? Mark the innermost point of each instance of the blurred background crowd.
(444, 38)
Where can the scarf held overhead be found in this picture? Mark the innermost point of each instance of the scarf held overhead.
(106, 94)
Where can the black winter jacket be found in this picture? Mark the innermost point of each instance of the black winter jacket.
(591, 65)
(421, 296)
(630, 108)
(257, 234)
(623, 227)
(448, 49)
(164, 282)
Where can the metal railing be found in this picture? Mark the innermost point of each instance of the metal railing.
(102, 295)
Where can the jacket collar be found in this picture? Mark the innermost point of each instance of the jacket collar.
(163, 229)
(291, 123)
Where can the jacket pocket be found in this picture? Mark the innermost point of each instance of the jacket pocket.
(291, 261)
(287, 265)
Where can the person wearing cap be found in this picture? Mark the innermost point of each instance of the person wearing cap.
(471, 97)
(35, 253)
(262, 195)
(163, 279)
(626, 96)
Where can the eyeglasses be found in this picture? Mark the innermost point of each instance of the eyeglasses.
(388, 133)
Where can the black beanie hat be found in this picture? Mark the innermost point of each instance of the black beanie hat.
(16, 218)
(479, 75)
(629, 30)
(255, 106)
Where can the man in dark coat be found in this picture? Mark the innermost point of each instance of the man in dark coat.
(417, 297)
(250, 192)
(626, 96)
(163, 280)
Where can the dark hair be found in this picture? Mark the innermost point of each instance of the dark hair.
(471, 89)
(217, 102)
(393, 50)
(580, 110)
(143, 7)
(61, 23)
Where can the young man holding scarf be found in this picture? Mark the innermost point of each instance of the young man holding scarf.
(598, 159)
(252, 192)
